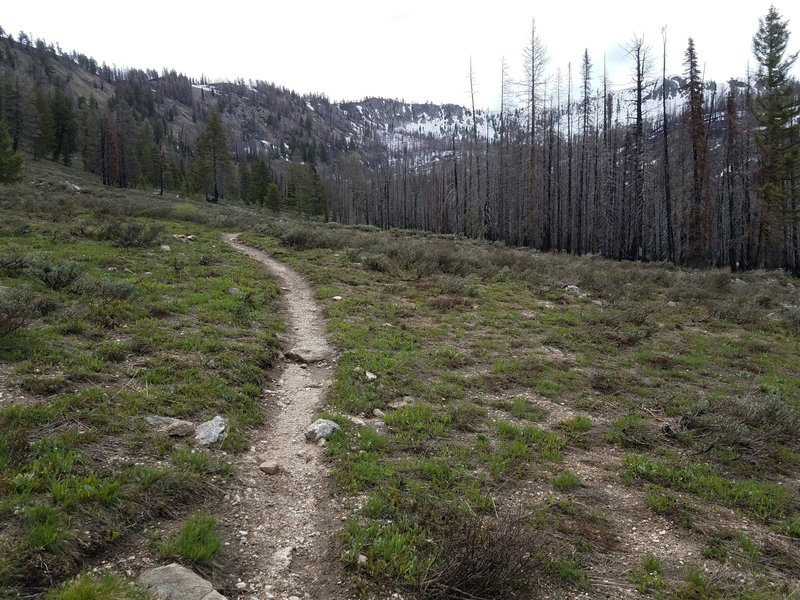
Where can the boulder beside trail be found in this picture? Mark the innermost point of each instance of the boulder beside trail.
(174, 582)
(211, 431)
(321, 428)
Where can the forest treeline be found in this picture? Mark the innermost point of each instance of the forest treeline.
(714, 181)
(137, 128)
(683, 171)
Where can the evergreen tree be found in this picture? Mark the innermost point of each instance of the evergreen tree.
(212, 162)
(10, 161)
(64, 140)
(259, 182)
(273, 197)
(698, 215)
(777, 112)
(244, 183)
(43, 127)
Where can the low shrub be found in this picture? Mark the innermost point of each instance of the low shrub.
(55, 274)
(483, 558)
(18, 307)
(12, 263)
(131, 234)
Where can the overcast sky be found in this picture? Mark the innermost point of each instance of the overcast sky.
(412, 49)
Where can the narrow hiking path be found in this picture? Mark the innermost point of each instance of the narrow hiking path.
(284, 523)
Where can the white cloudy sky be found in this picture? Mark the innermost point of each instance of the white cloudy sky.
(412, 49)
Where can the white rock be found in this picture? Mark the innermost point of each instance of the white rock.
(572, 289)
(166, 248)
(177, 583)
(362, 560)
(211, 431)
(321, 428)
(377, 412)
(370, 376)
(337, 298)
(241, 585)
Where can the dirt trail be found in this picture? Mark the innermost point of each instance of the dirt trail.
(284, 523)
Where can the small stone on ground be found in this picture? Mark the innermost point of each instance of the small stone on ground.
(170, 426)
(270, 467)
(321, 428)
(211, 431)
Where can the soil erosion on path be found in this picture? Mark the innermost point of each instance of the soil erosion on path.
(283, 523)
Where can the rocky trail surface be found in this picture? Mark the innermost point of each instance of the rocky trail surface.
(283, 518)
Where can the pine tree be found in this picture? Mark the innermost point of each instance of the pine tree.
(698, 215)
(43, 132)
(10, 161)
(212, 163)
(64, 140)
(244, 183)
(776, 112)
(259, 182)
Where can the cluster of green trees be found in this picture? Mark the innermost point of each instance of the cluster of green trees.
(125, 132)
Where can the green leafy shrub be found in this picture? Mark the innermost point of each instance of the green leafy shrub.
(10, 161)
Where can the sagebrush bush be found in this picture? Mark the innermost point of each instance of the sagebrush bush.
(18, 307)
(12, 263)
(482, 558)
(56, 274)
(115, 289)
(131, 234)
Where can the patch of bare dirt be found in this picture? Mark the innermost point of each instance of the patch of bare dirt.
(11, 394)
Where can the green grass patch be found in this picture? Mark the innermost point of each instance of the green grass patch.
(196, 542)
(650, 576)
(565, 481)
(105, 587)
(714, 548)
(764, 500)
(524, 408)
(663, 502)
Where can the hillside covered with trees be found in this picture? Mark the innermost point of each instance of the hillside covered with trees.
(673, 169)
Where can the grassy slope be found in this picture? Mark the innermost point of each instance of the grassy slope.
(542, 426)
(538, 425)
(142, 331)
